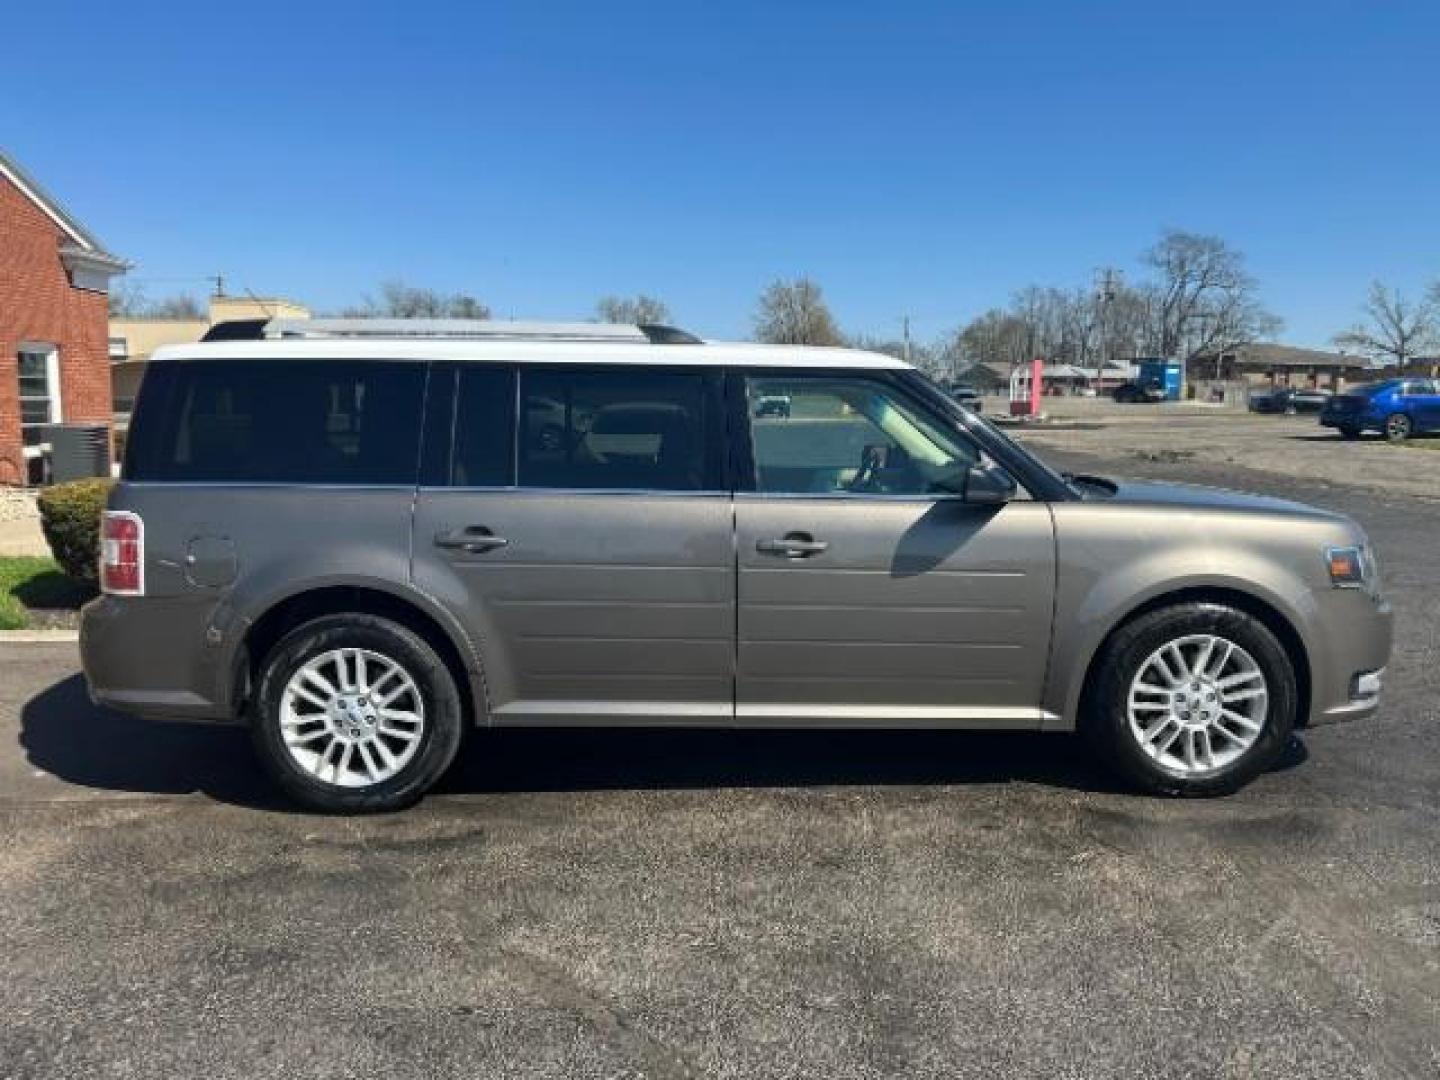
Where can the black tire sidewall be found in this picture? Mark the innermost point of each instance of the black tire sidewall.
(439, 742)
(1107, 726)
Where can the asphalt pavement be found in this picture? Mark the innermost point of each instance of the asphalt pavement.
(671, 904)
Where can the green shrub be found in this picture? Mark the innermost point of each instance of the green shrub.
(70, 516)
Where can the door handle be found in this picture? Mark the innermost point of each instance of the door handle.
(793, 546)
(475, 539)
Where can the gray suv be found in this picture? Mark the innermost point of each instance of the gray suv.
(363, 539)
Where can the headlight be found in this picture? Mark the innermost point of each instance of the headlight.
(1347, 567)
(1353, 568)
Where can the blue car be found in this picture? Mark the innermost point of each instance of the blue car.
(1398, 408)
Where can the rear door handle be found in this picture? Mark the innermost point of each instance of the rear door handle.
(793, 546)
(475, 539)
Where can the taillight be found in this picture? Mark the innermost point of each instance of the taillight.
(122, 553)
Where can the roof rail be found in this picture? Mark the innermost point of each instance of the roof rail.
(452, 329)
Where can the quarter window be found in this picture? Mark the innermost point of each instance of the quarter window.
(39, 367)
(278, 421)
(621, 430)
(822, 435)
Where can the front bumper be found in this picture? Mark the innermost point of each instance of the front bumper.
(1348, 667)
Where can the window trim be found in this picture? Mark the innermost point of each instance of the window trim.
(54, 396)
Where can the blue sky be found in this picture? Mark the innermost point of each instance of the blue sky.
(921, 158)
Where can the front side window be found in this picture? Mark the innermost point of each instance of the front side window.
(39, 367)
(278, 421)
(616, 429)
(823, 435)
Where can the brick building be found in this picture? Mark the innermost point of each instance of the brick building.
(54, 354)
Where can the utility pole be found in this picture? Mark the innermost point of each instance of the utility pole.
(219, 280)
(1108, 289)
(905, 335)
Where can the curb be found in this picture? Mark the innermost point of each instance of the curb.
(39, 637)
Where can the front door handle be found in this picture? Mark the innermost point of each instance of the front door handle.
(475, 539)
(793, 546)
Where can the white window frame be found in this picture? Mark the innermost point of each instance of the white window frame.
(52, 387)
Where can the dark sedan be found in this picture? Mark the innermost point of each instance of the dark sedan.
(1284, 399)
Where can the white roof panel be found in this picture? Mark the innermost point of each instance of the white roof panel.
(710, 354)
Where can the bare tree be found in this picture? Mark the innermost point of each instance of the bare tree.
(795, 313)
(639, 310)
(129, 301)
(461, 306)
(996, 337)
(180, 306)
(930, 359)
(1395, 330)
(1204, 302)
(400, 301)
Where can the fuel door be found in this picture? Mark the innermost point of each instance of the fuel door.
(210, 562)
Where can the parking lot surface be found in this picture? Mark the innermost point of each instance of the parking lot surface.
(672, 904)
(1229, 438)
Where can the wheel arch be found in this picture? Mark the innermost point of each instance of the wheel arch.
(1274, 620)
(285, 613)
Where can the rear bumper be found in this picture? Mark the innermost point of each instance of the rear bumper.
(148, 656)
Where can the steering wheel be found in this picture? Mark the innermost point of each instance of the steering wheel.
(871, 459)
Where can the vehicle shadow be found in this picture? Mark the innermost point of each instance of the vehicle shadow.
(66, 736)
(1368, 436)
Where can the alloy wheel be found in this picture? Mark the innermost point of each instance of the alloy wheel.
(1397, 427)
(352, 717)
(1197, 704)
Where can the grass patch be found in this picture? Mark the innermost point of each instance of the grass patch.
(34, 583)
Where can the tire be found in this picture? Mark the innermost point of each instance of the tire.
(400, 759)
(1117, 715)
(1350, 433)
(1398, 427)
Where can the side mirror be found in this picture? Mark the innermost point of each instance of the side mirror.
(988, 485)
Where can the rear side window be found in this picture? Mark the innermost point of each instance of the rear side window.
(277, 421)
(618, 429)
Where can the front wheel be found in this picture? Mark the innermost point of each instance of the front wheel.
(355, 713)
(1195, 699)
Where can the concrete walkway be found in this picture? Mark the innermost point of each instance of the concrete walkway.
(20, 524)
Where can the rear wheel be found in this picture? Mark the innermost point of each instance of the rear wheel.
(355, 713)
(1195, 699)
(1398, 427)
